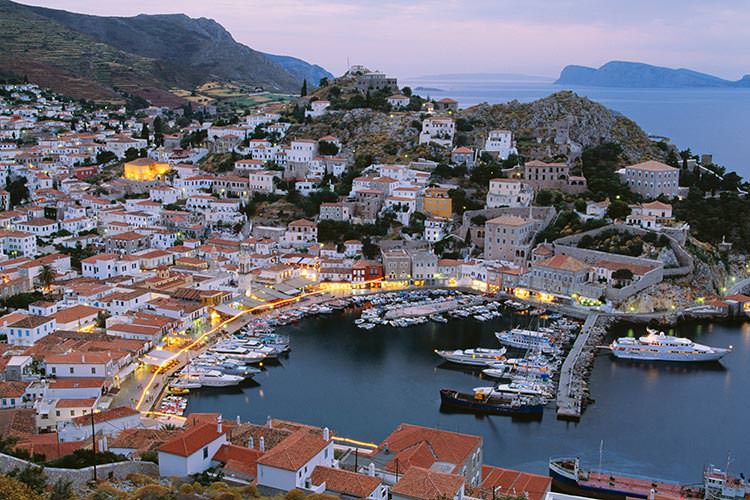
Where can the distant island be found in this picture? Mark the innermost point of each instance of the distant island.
(428, 89)
(640, 75)
(505, 77)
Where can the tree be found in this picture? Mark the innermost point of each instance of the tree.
(622, 275)
(618, 210)
(105, 157)
(46, 276)
(62, 489)
(144, 132)
(33, 477)
(303, 92)
(18, 191)
(158, 131)
(13, 489)
(323, 82)
(131, 154)
(328, 148)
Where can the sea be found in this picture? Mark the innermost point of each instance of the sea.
(708, 121)
(658, 420)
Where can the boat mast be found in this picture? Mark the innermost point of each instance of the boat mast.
(601, 452)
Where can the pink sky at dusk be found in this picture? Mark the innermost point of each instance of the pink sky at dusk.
(469, 36)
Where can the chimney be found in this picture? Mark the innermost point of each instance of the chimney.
(218, 424)
(262, 444)
(371, 470)
(269, 422)
(326, 434)
(238, 420)
(251, 443)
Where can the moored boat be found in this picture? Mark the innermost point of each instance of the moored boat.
(657, 346)
(473, 357)
(517, 406)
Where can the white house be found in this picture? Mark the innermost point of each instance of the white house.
(303, 150)
(262, 181)
(39, 227)
(509, 193)
(317, 108)
(652, 179)
(107, 265)
(16, 243)
(29, 329)
(500, 142)
(107, 423)
(398, 101)
(289, 464)
(191, 451)
(438, 130)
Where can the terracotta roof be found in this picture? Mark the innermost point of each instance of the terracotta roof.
(294, 452)
(657, 205)
(653, 166)
(75, 313)
(12, 389)
(510, 220)
(428, 485)
(241, 434)
(75, 403)
(141, 439)
(17, 422)
(76, 383)
(564, 263)
(31, 321)
(511, 483)
(344, 481)
(191, 440)
(445, 446)
(106, 415)
(239, 459)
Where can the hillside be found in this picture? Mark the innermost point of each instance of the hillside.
(301, 70)
(92, 56)
(639, 75)
(561, 124)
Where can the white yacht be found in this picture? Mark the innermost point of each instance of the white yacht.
(526, 339)
(657, 346)
(210, 378)
(473, 357)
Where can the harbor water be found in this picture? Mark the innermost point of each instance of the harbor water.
(664, 420)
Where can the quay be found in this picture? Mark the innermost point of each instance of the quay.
(569, 390)
(422, 309)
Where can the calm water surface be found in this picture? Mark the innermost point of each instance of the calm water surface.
(665, 420)
(713, 121)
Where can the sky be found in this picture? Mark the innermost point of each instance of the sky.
(426, 37)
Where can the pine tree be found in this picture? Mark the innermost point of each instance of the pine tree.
(303, 92)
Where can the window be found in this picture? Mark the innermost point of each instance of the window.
(205, 452)
(71, 369)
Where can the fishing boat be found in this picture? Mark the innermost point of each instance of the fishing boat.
(473, 357)
(570, 477)
(515, 405)
(657, 346)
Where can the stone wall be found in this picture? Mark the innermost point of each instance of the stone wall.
(79, 477)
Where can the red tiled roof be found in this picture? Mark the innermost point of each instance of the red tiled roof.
(106, 415)
(445, 446)
(191, 440)
(428, 485)
(344, 481)
(239, 459)
(294, 452)
(512, 483)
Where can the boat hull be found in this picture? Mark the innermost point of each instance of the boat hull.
(451, 400)
(672, 358)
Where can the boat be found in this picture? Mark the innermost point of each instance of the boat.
(179, 391)
(526, 339)
(473, 357)
(657, 346)
(366, 326)
(437, 318)
(516, 405)
(527, 366)
(568, 476)
(211, 378)
(184, 383)
(519, 386)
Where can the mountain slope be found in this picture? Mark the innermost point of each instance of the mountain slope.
(302, 70)
(94, 57)
(640, 75)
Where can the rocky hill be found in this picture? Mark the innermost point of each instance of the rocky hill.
(639, 75)
(95, 57)
(561, 124)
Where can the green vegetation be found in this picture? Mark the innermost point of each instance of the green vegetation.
(621, 242)
(712, 219)
(82, 458)
(566, 224)
(599, 165)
